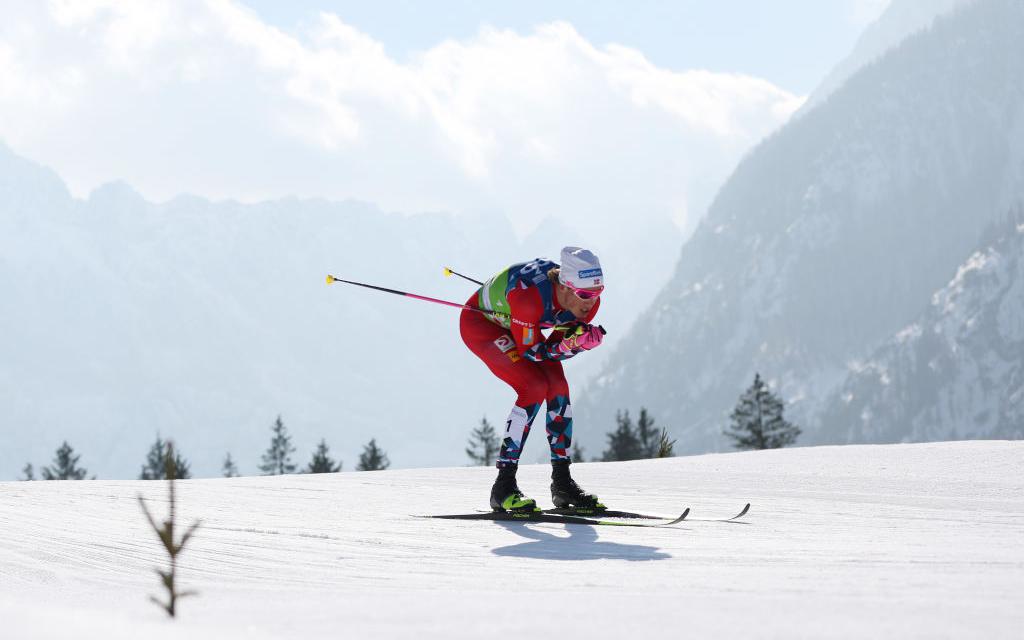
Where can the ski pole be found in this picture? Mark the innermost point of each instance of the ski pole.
(449, 272)
(565, 327)
(331, 279)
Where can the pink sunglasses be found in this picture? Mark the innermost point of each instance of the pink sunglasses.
(585, 294)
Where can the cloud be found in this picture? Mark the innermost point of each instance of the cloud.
(204, 97)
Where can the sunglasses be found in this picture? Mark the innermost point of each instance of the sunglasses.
(585, 294)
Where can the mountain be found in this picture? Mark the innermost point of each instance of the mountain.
(202, 321)
(833, 233)
(955, 372)
(899, 20)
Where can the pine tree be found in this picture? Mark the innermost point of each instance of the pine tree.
(757, 421)
(230, 469)
(155, 461)
(665, 445)
(647, 435)
(277, 460)
(29, 472)
(373, 458)
(483, 444)
(65, 465)
(156, 467)
(623, 443)
(322, 461)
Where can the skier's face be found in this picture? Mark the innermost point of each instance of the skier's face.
(569, 300)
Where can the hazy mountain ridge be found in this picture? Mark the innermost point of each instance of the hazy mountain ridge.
(956, 372)
(833, 233)
(900, 19)
(203, 320)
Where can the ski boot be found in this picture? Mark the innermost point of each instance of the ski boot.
(566, 494)
(506, 496)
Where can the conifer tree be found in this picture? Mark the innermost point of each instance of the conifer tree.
(373, 458)
(623, 443)
(322, 461)
(156, 467)
(757, 421)
(29, 472)
(483, 444)
(230, 469)
(647, 435)
(65, 465)
(277, 460)
(665, 445)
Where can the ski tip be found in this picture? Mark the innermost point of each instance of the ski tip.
(682, 517)
(742, 513)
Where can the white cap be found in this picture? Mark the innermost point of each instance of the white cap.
(580, 269)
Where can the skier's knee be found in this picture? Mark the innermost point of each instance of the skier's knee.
(532, 391)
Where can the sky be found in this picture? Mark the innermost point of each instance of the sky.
(581, 111)
(791, 43)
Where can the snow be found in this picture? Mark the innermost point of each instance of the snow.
(903, 541)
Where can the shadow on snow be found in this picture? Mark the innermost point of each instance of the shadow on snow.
(581, 544)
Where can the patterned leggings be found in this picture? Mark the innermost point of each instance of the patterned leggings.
(534, 383)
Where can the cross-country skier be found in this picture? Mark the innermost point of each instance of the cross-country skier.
(525, 299)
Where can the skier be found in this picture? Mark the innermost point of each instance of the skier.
(526, 298)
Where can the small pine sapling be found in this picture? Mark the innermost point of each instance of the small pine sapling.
(166, 535)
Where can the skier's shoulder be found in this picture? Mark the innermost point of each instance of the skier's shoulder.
(526, 302)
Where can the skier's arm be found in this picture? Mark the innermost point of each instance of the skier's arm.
(526, 309)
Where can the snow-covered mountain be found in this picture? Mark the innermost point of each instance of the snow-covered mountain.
(956, 372)
(833, 234)
(894, 541)
(203, 321)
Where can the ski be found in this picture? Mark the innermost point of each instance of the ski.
(609, 513)
(739, 515)
(540, 516)
(603, 513)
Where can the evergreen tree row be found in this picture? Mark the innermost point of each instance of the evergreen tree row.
(275, 461)
(757, 422)
(627, 442)
(277, 458)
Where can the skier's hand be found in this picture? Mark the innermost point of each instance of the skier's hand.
(584, 338)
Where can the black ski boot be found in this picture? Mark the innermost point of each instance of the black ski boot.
(505, 494)
(566, 494)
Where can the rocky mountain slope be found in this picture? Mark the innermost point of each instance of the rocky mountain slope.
(833, 234)
(956, 372)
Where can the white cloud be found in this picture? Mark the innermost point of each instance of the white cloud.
(204, 97)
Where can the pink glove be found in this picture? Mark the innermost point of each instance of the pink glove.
(584, 338)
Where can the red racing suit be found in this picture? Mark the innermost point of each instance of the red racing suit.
(509, 341)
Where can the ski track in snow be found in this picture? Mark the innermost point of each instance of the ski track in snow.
(897, 541)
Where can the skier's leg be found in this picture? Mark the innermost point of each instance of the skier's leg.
(494, 346)
(559, 416)
(565, 493)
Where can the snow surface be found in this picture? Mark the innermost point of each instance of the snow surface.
(923, 540)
